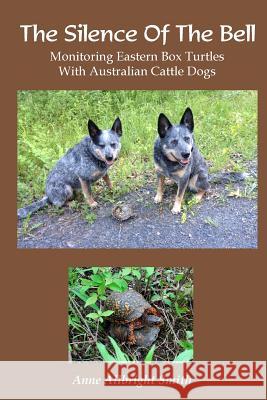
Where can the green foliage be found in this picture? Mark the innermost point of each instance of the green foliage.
(119, 354)
(50, 122)
(170, 294)
(92, 289)
(100, 314)
(188, 353)
(150, 354)
(188, 207)
(28, 227)
(106, 356)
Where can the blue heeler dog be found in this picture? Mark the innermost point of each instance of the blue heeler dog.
(81, 166)
(176, 157)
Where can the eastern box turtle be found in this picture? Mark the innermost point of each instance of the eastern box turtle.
(134, 320)
(123, 212)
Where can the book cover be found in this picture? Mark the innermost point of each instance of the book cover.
(134, 234)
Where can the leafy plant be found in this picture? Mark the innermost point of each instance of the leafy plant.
(188, 207)
(100, 314)
(186, 355)
(188, 352)
(119, 354)
(88, 215)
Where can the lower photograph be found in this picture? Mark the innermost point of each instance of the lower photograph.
(131, 314)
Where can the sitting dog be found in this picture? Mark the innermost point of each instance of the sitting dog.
(81, 166)
(176, 157)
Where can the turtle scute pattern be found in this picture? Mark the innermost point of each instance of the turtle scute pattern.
(122, 212)
(127, 306)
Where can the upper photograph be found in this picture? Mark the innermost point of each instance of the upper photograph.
(137, 169)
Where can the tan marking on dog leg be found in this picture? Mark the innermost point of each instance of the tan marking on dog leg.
(87, 193)
(178, 201)
(192, 183)
(96, 175)
(107, 181)
(160, 189)
(199, 195)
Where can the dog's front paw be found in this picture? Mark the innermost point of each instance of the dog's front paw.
(93, 204)
(176, 209)
(169, 181)
(158, 199)
(199, 195)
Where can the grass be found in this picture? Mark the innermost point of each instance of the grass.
(28, 228)
(50, 122)
(170, 290)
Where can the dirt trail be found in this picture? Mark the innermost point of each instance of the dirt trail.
(219, 221)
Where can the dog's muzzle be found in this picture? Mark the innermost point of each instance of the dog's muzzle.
(182, 161)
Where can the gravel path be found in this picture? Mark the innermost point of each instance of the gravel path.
(219, 221)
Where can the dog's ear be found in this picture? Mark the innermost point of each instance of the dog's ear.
(163, 125)
(93, 129)
(187, 119)
(116, 127)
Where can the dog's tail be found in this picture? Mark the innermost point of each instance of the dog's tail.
(32, 208)
(228, 177)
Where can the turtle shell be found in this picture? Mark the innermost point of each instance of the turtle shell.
(144, 336)
(127, 306)
(119, 331)
(122, 212)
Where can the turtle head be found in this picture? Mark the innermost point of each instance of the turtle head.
(152, 320)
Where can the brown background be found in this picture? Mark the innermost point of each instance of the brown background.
(230, 285)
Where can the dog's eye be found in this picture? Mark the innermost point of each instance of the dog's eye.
(187, 139)
(174, 142)
(102, 146)
(113, 145)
